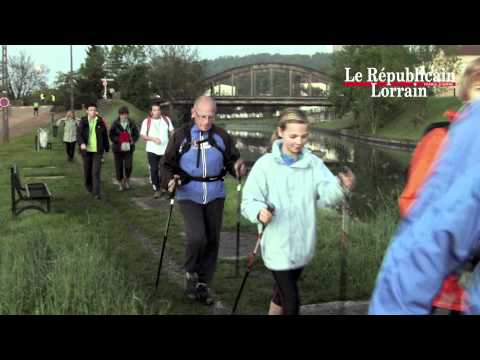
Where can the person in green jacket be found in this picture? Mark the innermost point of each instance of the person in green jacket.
(35, 108)
(293, 181)
(92, 137)
(69, 133)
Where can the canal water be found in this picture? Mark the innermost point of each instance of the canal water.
(380, 171)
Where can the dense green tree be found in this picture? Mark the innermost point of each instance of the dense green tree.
(134, 85)
(176, 72)
(89, 85)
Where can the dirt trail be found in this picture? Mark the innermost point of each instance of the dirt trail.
(22, 121)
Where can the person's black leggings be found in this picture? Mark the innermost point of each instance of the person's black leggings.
(70, 148)
(123, 164)
(154, 162)
(285, 290)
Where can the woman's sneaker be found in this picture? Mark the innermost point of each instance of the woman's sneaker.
(191, 280)
(203, 294)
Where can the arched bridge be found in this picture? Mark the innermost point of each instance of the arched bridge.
(269, 79)
(266, 87)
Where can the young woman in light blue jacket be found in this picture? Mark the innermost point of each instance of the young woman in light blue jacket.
(293, 181)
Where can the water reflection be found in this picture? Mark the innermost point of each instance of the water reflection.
(329, 152)
(379, 171)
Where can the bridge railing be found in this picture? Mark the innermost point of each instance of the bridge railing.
(229, 94)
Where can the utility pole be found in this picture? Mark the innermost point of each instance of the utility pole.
(4, 93)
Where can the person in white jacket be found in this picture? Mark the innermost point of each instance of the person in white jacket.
(294, 182)
(69, 133)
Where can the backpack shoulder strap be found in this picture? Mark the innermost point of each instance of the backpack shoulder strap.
(211, 139)
(167, 120)
(421, 145)
(440, 124)
(185, 133)
(149, 122)
(420, 166)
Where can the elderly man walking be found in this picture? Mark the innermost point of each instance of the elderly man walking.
(198, 157)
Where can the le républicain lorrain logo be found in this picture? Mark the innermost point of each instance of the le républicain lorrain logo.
(405, 83)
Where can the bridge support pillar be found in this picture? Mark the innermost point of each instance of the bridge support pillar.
(271, 82)
(268, 111)
(290, 83)
(310, 85)
(251, 82)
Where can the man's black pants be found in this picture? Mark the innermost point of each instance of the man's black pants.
(92, 164)
(202, 227)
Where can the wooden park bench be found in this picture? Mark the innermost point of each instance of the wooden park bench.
(29, 192)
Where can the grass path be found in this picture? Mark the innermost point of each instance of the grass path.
(101, 257)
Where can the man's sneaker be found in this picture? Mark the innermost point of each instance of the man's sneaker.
(156, 195)
(120, 186)
(126, 184)
(191, 280)
(203, 294)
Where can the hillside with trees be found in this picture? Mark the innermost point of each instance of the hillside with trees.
(318, 61)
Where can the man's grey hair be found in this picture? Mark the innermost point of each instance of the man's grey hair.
(202, 99)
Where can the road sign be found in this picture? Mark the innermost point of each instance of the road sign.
(104, 81)
(4, 102)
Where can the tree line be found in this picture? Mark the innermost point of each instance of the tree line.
(175, 71)
(140, 71)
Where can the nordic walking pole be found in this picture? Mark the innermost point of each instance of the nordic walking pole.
(251, 257)
(343, 259)
(172, 202)
(239, 199)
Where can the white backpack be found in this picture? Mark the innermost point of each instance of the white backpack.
(43, 138)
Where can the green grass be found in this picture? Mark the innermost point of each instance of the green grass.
(260, 125)
(320, 282)
(403, 126)
(64, 262)
(344, 123)
(84, 257)
(321, 278)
